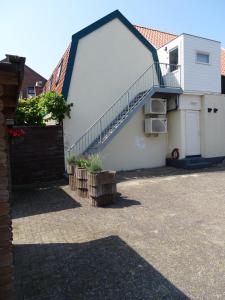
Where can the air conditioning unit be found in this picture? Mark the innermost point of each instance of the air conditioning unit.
(155, 125)
(156, 106)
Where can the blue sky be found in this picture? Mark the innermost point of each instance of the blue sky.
(41, 30)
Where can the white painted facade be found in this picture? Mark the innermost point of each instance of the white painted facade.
(109, 60)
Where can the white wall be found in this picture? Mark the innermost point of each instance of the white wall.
(132, 149)
(213, 126)
(200, 78)
(107, 62)
(176, 138)
(163, 54)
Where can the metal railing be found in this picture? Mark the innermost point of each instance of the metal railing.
(157, 75)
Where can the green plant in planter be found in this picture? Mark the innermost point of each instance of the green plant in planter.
(71, 160)
(95, 164)
(82, 162)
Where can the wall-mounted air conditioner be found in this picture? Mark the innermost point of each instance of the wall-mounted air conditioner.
(155, 125)
(156, 106)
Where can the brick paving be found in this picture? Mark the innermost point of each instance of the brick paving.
(164, 238)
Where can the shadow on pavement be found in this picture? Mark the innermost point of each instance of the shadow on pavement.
(40, 201)
(101, 269)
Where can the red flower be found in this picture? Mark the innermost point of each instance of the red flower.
(15, 132)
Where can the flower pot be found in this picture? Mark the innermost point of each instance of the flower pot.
(69, 169)
(103, 177)
(81, 182)
(102, 187)
(81, 173)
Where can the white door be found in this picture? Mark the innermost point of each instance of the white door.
(192, 133)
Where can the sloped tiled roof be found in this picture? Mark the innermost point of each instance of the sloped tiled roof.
(155, 37)
(58, 87)
(222, 61)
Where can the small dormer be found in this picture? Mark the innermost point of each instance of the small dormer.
(199, 59)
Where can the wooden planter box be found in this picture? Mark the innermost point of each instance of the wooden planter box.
(72, 178)
(102, 187)
(81, 173)
(104, 177)
(72, 182)
(81, 182)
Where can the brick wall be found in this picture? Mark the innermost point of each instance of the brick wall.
(6, 268)
(38, 156)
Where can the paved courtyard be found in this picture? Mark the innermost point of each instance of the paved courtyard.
(163, 239)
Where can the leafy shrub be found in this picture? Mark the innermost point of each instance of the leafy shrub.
(55, 105)
(29, 112)
(95, 164)
(32, 111)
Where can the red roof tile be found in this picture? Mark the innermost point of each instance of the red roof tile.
(155, 37)
(58, 87)
(222, 61)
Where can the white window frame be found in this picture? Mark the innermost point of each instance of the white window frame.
(202, 53)
(171, 50)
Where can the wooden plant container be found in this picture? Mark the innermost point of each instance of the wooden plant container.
(103, 177)
(81, 182)
(81, 173)
(72, 178)
(102, 187)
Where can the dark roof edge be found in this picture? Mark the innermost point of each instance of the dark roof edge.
(94, 26)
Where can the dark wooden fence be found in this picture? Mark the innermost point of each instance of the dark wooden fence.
(38, 156)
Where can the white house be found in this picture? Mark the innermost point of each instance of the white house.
(139, 93)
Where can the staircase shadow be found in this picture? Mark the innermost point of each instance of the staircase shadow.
(101, 269)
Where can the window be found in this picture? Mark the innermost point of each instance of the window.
(173, 59)
(202, 58)
(30, 92)
(58, 72)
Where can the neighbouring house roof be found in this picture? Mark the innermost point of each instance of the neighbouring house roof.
(152, 38)
(29, 79)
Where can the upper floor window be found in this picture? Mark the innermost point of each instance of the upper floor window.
(58, 72)
(173, 59)
(202, 58)
(31, 92)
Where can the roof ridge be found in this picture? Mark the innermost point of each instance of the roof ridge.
(156, 30)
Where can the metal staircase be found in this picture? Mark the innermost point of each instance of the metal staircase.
(157, 78)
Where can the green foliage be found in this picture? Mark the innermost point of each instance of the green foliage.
(82, 162)
(95, 164)
(55, 105)
(29, 112)
(71, 160)
(33, 111)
